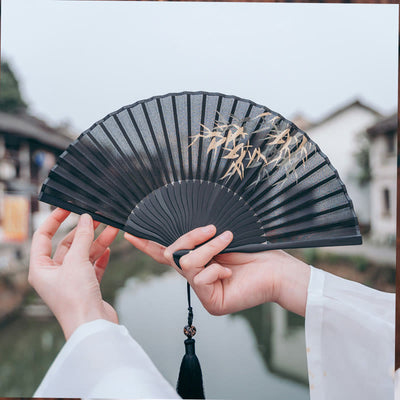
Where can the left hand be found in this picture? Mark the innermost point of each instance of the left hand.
(69, 282)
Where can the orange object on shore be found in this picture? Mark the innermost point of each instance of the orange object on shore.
(16, 218)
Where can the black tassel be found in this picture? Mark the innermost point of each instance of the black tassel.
(190, 380)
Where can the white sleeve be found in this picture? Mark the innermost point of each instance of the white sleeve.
(350, 331)
(101, 360)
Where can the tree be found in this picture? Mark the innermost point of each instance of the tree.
(363, 175)
(10, 96)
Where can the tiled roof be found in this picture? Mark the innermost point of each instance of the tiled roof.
(385, 125)
(340, 110)
(30, 127)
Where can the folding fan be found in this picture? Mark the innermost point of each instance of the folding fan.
(166, 165)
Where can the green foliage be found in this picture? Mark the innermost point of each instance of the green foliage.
(333, 258)
(360, 262)
(310, 256)
(10, 96)
(362, 157)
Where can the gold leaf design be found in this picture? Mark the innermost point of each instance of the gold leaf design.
(281, 148)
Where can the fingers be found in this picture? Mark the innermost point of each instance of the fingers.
(153, 249)
(102, 242)
(82, 241)
(41, 241)
(189, 241)
(65, 244)
(211, 274)
(209, 286)
(101, 264)
(196, 260)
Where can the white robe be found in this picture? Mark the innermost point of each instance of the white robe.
(349, 338)
(397, 384)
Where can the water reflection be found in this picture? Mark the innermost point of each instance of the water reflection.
(243, 356)
(281, 340)
(27, 349)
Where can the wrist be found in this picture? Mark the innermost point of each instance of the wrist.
(71, 321)
(293, 278)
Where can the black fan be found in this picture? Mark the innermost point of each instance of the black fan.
(164, 166)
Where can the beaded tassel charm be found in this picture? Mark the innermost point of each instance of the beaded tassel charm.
(190, 380)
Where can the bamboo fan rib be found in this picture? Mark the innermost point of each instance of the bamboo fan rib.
(166, 165)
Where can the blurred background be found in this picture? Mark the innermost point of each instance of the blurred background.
(331, 69)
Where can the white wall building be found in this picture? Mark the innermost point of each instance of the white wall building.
(339, 135)
(383, 143)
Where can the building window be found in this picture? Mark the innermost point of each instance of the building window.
(386, 202)
(391, 143)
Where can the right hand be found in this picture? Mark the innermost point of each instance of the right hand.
(233, 281)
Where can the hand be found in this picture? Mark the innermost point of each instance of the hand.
(233, 281)
(69, 283)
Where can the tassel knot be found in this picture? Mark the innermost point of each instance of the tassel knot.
(190, 380)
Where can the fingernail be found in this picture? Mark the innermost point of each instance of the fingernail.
(85, 220)
(207, 229)
(226, 235)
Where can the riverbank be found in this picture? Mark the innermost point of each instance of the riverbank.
(356, 267)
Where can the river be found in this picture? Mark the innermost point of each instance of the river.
(255, 354)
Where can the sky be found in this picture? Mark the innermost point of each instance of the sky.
(80, 60)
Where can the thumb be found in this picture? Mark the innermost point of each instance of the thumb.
(83, 239)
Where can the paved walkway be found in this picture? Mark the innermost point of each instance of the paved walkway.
(379, 254)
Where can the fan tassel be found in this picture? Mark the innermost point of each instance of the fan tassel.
(190, 380)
